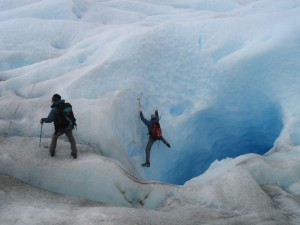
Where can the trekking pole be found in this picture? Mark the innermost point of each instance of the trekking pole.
(41, 135)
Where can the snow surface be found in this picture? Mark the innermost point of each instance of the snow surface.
(224, 76)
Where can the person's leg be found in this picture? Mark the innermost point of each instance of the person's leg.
(72, 141)
(52, 147)
(148, 150)
(165, 142)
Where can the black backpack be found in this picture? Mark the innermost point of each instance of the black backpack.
(66, 118)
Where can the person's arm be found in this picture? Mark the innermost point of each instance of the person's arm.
(146, 122)
(51, 116)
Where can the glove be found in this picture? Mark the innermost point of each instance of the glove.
(41, 121)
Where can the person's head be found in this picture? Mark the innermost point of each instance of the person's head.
(153, 116)
(56, 97)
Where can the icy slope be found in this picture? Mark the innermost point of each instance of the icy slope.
(90, 176)
(23, 204)
(250, 189)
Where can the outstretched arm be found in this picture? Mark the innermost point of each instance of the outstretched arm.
(146, 122)
(51, 116)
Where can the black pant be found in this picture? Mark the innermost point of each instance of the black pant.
(70, 136)
(150, 143)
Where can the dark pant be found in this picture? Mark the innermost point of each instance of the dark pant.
(150, 143)
(70, 136)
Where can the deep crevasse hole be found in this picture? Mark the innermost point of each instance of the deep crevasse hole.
(219, 132)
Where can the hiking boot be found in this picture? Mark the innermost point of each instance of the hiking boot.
(146, 164)
(168, 145)
(74, 155)
(52, 154)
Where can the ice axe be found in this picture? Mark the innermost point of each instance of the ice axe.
(139, 104)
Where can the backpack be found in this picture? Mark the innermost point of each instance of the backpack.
(155, 131)
(65, 119)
